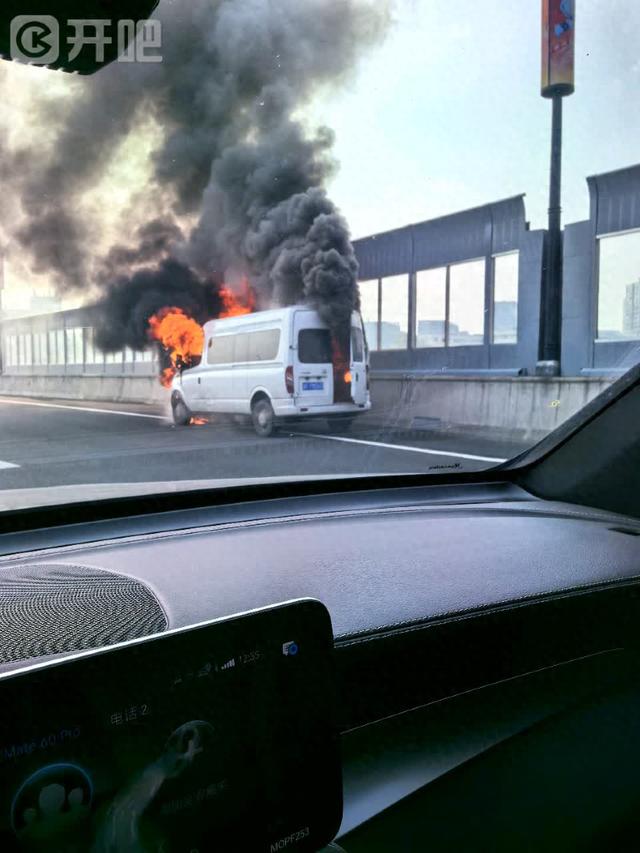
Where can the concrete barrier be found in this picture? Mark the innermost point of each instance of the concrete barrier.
(512, 408)
(118, 389)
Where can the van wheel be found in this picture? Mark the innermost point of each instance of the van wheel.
(181, 414)
(341, 424)
(263, 417)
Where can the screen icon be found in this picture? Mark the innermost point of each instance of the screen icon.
(290, 649)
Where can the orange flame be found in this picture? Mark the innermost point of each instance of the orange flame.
(183, 338)
(180, 335)
(235, 305)
(166, 377)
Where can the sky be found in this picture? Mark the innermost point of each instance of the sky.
(446, 114)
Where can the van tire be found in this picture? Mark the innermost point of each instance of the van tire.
(263, 418)
(181, 414)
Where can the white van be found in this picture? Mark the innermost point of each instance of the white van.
(276, 366)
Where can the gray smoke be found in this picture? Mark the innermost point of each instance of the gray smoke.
(238, 179)
(155, 241)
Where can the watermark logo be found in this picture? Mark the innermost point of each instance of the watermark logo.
(41, 40)
(35, 39)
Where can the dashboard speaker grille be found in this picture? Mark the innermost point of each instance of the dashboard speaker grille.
(47, 609)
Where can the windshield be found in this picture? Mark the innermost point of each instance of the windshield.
(319, 239)
(314, 345)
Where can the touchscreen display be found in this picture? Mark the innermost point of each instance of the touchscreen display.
(219, 737)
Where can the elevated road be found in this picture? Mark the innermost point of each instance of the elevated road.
(62, 443)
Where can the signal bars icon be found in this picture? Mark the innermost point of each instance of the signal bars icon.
(228, 665)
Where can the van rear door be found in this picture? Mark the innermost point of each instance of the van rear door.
(313, 367)
(358, 366)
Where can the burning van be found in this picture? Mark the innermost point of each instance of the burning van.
(277, 367)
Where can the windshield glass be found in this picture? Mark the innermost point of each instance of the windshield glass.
(314, 346)
(279, 240)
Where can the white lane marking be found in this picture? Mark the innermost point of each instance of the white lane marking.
(5, 465)
(407, 447)
(82, 409)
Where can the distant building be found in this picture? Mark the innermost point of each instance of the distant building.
(392, 336)
(371, 333)
(631, 310)
(463, 338)
(431, 332)
(505, 322)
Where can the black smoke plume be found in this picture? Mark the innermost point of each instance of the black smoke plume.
(237, 179)
(132, 300)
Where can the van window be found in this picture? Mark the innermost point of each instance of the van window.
(263, 346)
(314, 346)
(241, 348)
(357, 344)
(244, 347)
(220, 349)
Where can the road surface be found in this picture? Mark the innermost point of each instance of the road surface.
(55, 442)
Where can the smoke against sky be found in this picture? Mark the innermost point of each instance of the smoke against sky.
(235, 182)
(445, 114)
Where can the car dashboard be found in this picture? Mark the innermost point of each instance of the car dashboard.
(466, 617)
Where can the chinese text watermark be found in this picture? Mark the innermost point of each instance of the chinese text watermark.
(40, 40)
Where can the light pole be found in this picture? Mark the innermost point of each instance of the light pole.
(558, 44)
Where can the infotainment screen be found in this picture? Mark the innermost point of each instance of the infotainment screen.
(220, 737)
